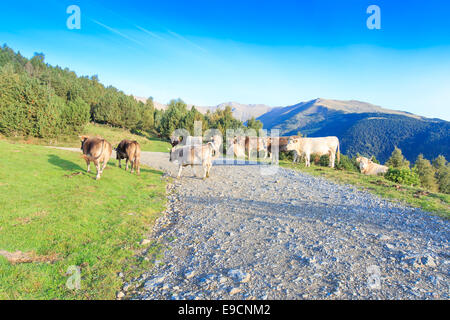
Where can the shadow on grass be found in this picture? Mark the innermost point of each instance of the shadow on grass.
(63, 163)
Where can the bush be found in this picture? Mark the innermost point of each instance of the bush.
(347, 163)
(403, 176)
(324, 160)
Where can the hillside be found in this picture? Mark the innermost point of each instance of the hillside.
(363, 127)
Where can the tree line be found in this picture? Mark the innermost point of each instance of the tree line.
(40, 100)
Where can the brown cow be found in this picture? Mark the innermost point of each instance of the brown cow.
(131, 151)
(96, 150)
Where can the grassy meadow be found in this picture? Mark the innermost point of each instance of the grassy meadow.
(58, 216)
(437, 203)
(147, 141)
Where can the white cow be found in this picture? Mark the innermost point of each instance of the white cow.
(321, 146)
(196, 155)
(237, 144)
(368, 167)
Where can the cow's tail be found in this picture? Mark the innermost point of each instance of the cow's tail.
(91, 158)
(338, 153)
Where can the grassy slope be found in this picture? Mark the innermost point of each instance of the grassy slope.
(437, 203)
(93, 224)
(113, 135)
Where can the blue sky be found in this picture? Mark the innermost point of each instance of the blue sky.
(273, 52)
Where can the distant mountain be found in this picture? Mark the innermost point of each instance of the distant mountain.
(363, 127)
(241, 111)
(156, 104)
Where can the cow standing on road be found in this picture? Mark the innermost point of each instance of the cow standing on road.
(321, 146)
(192, 155)
(131, 151)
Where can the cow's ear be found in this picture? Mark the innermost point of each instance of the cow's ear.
(82, 138)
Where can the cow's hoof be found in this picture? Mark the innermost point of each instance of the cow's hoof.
(97, 178)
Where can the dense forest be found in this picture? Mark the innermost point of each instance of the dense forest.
(40, 100)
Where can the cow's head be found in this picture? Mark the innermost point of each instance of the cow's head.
(83, 139)
(292, 144)
(363, 162)
(174, 141)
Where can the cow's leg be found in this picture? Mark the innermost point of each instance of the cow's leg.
(126, 167)
(88, 165)
(332, 159)
(295, 157)
(205, 170)
(98, 167)
(308, 159)
(132, 165)
(120, 164)
(105, 162)
(137, 163)
(208, 167)
(179, 171)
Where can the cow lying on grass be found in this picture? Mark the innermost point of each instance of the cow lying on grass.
(97, 150)
(194, 155)
(368, 167)
(131, 151)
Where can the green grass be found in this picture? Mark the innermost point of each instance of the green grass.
(147, 141)
(436, 203)
(49, 205)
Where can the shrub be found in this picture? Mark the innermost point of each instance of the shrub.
(403, 176)
(426, 173)
(347, 163)
(287, 156)
(324, 160)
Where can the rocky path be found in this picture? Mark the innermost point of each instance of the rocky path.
(244, 235)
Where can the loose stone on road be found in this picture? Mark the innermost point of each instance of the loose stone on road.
(243, 235)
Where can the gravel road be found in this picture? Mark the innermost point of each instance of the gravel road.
(243, 235)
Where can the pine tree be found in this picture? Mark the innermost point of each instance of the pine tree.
(442, 173)
(426, 173)
(397, 160)
(254, 124)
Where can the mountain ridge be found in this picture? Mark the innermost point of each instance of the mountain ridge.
(363, 127)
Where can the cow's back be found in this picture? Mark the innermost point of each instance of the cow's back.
(321, 145)
(92, 146)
